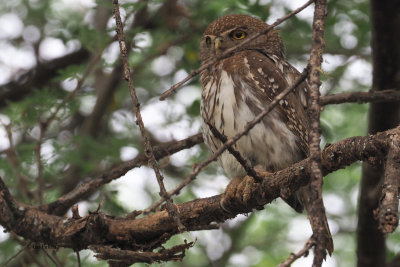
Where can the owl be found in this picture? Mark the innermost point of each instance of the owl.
(238, 87)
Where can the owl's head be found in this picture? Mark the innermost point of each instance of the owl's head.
(230, 30)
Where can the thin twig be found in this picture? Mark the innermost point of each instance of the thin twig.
(90, 186)
(172, 209)
(78, 258)
(13, 159)
(39, 165)
(245, 164)
(230, 50)
(51, 258)
(372, 96)
(43, 125)
(317, 209)
(294, 256)
(232, 140)
(72, 94)
(388, 210)
(12, 257)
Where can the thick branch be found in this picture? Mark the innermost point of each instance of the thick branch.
(90, 186)
(148, 232)
(388, 211)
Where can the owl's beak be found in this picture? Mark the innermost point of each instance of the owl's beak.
(217, 45)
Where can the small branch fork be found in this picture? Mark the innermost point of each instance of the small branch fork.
(303, 252)
(387, 214)
(172, 210)
(44, 125)
(230, 50)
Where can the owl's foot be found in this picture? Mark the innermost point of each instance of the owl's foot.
(240, 195)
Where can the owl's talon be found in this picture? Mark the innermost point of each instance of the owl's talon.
(238, 195)
(229, 201)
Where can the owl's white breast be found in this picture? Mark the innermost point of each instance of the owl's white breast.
(269, 144)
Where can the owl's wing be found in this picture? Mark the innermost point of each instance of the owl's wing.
(271, 75)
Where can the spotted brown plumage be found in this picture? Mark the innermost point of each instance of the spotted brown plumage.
(238, 87)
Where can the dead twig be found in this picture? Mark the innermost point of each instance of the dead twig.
(90, 186)
(317, 210)
(172, 209)
(245, 164)
(44, 124)
(302, 252)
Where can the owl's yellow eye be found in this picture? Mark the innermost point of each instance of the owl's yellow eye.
(238, 34)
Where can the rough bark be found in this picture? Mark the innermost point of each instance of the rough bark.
(149, 232)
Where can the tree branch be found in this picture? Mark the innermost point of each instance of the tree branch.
(388, 210)
(147, 233)
(136, 104)
(372, 96)
(303, 252)
(88, 187)
(63, 203)
(175, 253)
(39, 76)
(234, 139)
(245, 164)
(316, 213)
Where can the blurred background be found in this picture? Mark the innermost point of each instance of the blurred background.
(66, 50)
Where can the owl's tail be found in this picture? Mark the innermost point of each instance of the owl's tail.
(303, 194)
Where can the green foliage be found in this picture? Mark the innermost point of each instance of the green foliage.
(73, 150)
(70, 72)
(92, 39)
(194, 108)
